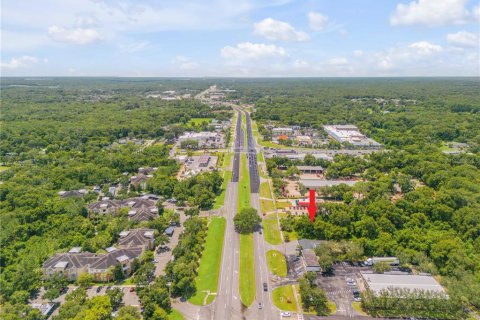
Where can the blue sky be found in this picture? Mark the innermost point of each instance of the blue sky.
(240, 38)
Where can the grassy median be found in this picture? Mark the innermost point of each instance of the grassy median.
(209, 270)
(247, 269)
(244, 184)
(277, 263)
(271, 230)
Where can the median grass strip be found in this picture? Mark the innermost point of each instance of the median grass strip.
(207, 278)
(244, 184)
(284, 299)
(247, 267)
(266, 206)
(265, 190)
(277, 263)
(271, 231)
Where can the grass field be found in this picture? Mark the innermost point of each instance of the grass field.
(208, 272)
(265, 190)
(266, 205)
(277, 263)
(357, 306)
(244, 184)
(3, 168)
(175, 315)
(197, 121)
(260, 157)
(284, 298)
(247, 269)
(220, 200)
(283, 204)
(271, 231)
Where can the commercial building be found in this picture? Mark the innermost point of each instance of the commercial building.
(276, 132)
(318, 183)
(310, 261)
(350, 134)
(399, 280)
(204, 139)
(310, 169)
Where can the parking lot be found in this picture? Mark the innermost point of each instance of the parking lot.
(130, 297)
(341, 285)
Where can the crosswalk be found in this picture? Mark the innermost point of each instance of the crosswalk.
(338, 292)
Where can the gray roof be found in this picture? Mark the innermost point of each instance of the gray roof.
(74, 260)
(169, 230)
(308, 244)
(316, 183)
(143, 214)
(104, 204)
(378, 282)
(309, 168)
(138, 202)
(310, 258)
(135, 238)
(113, 258)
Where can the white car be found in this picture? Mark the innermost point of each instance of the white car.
(285, 314)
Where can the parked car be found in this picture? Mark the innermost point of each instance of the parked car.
(260, 305)
(99, 289)
(132, 289)
(285, 314)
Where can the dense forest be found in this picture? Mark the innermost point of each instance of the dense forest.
(415, 201)
(63, 134)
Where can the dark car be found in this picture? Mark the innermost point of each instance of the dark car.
(265, 286)
(99, 289)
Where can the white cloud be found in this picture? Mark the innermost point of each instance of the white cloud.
(358, 53)
(134, 47)
(425, 48)
(184, 63)
(74, 35)
(431, 13)
(317, 21)
(252, 51)
(463, 39)
(276, 30)
(339, 61)
(20, 62)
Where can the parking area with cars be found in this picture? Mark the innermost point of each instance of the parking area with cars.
(343, 286)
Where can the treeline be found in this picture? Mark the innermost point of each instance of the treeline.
(181, 271)
(407, 303)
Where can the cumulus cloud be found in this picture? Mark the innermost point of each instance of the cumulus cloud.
(317, 21)
(463, 39)
(276, 30)
(425, 48)
(184, 63)
(74, 35)
(252, 51)
(338, 61)
(20, 62)
(431, 13)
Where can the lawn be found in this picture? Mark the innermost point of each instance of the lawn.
(332, 307)
(207, 278)
(266, 205)
(3, 168)
(283, 204)
(197, 121)
(220, 200)
(271, 231)
(357, 306)
(247, 269)
(244, 184)
(260, 157)
(265, 190)
(277, 263)
(175, 315)
(284, 298)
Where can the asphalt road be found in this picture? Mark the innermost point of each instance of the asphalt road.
(268, 311)
(237, 147)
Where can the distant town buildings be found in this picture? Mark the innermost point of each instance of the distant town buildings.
(350, 134)
(205, 140)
